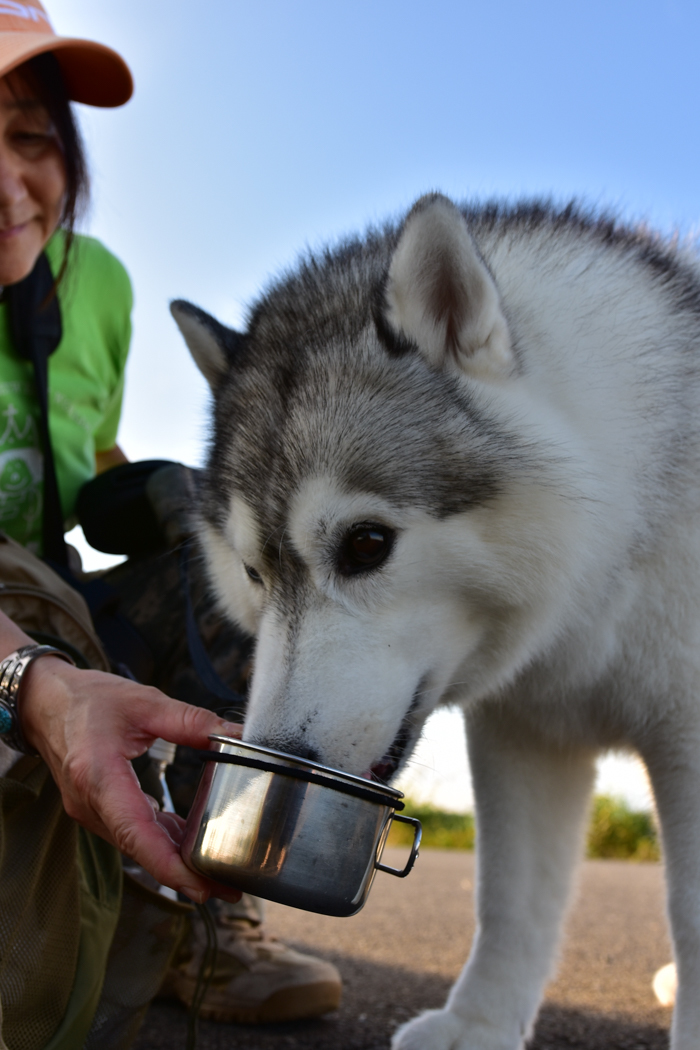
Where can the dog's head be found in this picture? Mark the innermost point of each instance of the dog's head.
(368, 508)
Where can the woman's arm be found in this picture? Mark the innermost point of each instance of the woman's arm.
(111, 457)
(87, 726)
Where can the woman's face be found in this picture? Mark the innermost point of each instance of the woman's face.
(32, 180)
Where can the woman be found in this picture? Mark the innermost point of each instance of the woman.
(42, 179)
(86, 724)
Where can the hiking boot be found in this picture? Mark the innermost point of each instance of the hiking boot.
(257, 979)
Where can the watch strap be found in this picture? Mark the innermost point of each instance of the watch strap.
(12, 670)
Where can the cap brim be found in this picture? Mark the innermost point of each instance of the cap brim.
(93, 73)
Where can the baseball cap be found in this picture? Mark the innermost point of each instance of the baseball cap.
(93, 73)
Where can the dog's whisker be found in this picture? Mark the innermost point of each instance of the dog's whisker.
(279, 549)
(271, 534)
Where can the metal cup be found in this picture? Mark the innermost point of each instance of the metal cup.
(291, 831)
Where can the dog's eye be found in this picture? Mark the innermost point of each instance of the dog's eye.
(365, 547)
(254, 574)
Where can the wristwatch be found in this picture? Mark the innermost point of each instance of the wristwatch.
(12, 669)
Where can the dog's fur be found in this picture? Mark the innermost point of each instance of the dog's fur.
(457, 461)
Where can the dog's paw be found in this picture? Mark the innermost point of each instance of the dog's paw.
(434, 1030)
(665, 984)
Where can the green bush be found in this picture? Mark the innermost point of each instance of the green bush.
(440, 830)
(614, 831)
(617, 831)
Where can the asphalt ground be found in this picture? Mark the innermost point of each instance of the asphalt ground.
(405, 948)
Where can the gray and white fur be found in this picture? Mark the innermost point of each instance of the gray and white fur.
(458, 461)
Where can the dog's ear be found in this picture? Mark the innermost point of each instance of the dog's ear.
(440, 297)
(211, 344)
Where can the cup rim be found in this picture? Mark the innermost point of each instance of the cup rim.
(227, 743)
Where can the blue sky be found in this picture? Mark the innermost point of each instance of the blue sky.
(259, 129)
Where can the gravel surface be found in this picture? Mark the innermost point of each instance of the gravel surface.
(403, 951)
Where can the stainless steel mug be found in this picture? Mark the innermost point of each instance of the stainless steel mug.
(289, 830)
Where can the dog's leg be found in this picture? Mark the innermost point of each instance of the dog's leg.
(530, 803)
(673, 761)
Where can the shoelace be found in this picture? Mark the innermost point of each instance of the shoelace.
(206, 972)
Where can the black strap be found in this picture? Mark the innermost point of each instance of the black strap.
(35, 324)
(303, 774)
(200, 658)
(36, 328)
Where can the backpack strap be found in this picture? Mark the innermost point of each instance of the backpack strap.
(36, 327)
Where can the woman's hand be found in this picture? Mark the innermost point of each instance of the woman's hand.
(87, 726)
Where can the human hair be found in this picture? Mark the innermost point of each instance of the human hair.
(42, 76)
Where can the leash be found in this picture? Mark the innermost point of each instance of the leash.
(204, 975)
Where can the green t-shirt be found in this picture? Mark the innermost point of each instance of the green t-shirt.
(86, 382)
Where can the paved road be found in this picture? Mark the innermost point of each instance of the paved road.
(402, 952)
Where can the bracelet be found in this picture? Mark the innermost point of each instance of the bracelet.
(12, 669)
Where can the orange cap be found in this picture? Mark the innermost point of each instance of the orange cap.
(92, 72)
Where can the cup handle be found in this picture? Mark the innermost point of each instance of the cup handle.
(417, 833)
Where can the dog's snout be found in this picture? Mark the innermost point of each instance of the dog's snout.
(304, 751)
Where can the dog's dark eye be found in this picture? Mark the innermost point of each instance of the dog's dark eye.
(365, 547)
(254, 574)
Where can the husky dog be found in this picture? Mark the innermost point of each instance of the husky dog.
(457, 461)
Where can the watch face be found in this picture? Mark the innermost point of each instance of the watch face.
(6, 720)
